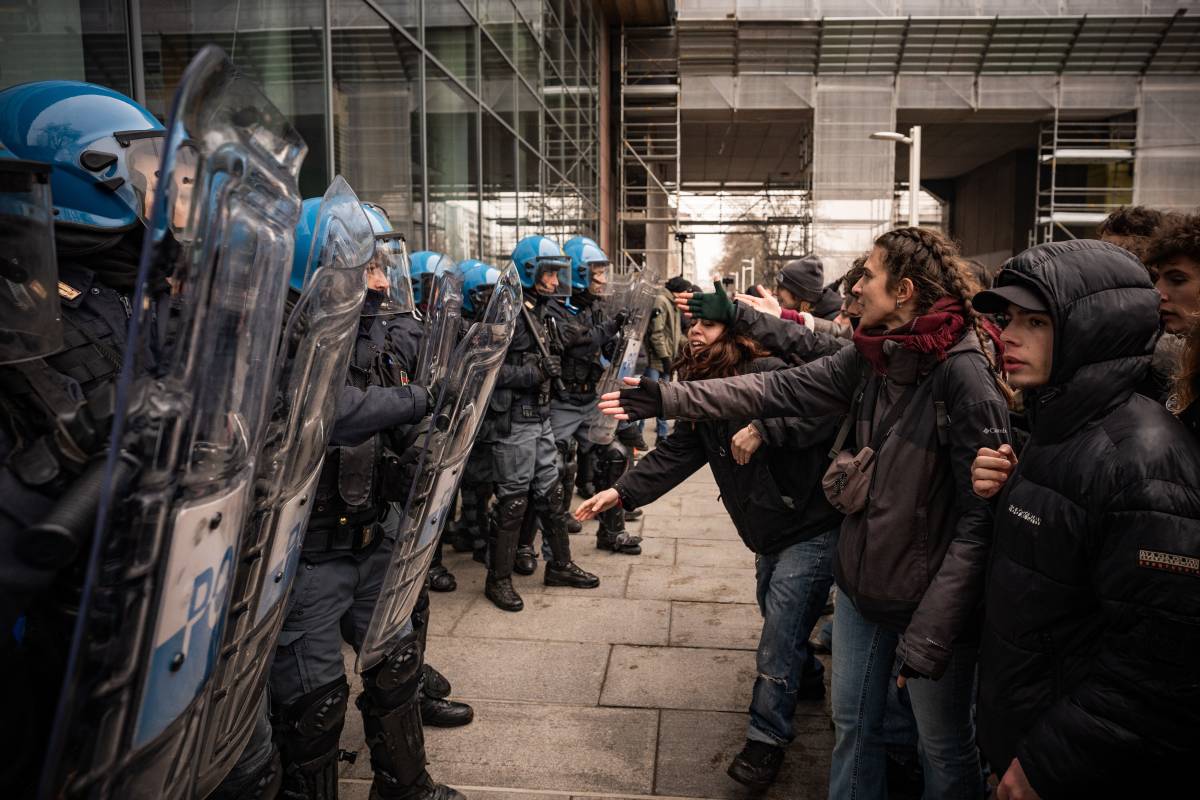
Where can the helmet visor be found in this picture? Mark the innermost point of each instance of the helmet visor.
(553, 276)
(598, 278)
(133, 173)
(390, 266)
(30, 324)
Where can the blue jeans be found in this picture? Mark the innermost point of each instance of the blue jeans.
(660, 425)
(792, 586)
(862, 671)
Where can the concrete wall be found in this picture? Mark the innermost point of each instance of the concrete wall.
(993, 208)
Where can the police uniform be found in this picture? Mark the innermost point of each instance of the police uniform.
(57, 413)
(344, 560)
(590, 332)
(525, 459)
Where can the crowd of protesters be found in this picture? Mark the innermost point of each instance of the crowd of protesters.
(1001, 475)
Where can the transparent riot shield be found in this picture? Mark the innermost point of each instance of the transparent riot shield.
(30, 324)
(191, 413)
(442, 327)
(313, 360)
(462, 401)
(638, 304)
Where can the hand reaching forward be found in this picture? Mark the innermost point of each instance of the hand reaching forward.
(766, 303)
(641, 401)
(991, 469)
(594, 505)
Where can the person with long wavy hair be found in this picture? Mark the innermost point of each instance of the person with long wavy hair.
(768, 472)
(1186, 398)
(924, 396)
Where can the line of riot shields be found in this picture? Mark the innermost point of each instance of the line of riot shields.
(189, 528)
(219, 434)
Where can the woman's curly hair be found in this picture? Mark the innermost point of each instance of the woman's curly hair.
(1178, 238)
(933, 263)
(1187, 380)
(724, 358)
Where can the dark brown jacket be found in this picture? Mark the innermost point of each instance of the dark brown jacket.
(913, 559)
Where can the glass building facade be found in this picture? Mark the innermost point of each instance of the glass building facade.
(473, 122)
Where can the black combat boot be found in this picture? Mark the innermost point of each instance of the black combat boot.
(440, 578)
(445, 713)
(561, 571)
(434, 683)
(510, 512)
(526, 561)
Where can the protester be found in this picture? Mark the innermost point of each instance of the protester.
(1131, 228)
(1174, 257)
(1092, 634)
(769, 474)
(914, 543)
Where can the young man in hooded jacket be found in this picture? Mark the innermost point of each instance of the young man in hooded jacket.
(1088, 665)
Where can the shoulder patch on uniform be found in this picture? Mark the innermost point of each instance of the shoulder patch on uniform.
(66, 291)
(1169, 562)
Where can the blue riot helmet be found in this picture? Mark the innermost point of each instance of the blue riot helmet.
(424, 266)
(30, 322)
(105, 150)
(479, 279)
(589, 266)
(391, 264)
(541, 263)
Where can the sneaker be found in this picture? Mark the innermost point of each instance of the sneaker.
(757, 766)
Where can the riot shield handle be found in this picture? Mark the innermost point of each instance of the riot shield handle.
(57, 539)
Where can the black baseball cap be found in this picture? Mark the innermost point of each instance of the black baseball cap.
(997, 300)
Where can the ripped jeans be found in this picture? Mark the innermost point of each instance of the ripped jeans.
(792, 587)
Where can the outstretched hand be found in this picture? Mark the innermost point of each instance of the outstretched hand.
(764, 301)
(714, 305)
(642, 400)
(596, 504)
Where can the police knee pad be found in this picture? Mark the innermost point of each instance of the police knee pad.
(550, 501)
(510, 511)
(391, 711)
(613, 461)
(307, 731)
(394, 681)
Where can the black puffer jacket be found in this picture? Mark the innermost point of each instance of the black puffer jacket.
(775, 500)
(1090, 665)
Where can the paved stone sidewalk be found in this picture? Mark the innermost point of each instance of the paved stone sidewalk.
(638, 688)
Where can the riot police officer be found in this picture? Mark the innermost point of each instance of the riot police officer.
(344, 559)
(590, 331)
(469, 532)
(57, 391)
(524, 458)
(424, 267)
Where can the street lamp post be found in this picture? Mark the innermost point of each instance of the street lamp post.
(913, 140)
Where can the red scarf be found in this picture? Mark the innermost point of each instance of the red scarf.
(935, 332)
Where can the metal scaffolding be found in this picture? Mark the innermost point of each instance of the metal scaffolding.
(1085, 171)
(648, 215)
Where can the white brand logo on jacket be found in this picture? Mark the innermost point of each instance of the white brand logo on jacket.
(1028, 516)
(1169, 562)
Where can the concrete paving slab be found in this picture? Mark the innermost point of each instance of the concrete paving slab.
(700, 584)
(607, 750)
(659, 550)
(679, 677)
(695, 748)
(720, 553)
(731, 626)
(689, 527)
(570, 673)
(670, 505)
(703, 505)
(571, 618)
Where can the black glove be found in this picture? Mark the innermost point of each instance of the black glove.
(551, 368)
(714, 305)
(620, 319)
(642, 401)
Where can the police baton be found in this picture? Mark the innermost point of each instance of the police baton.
(557, 383)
